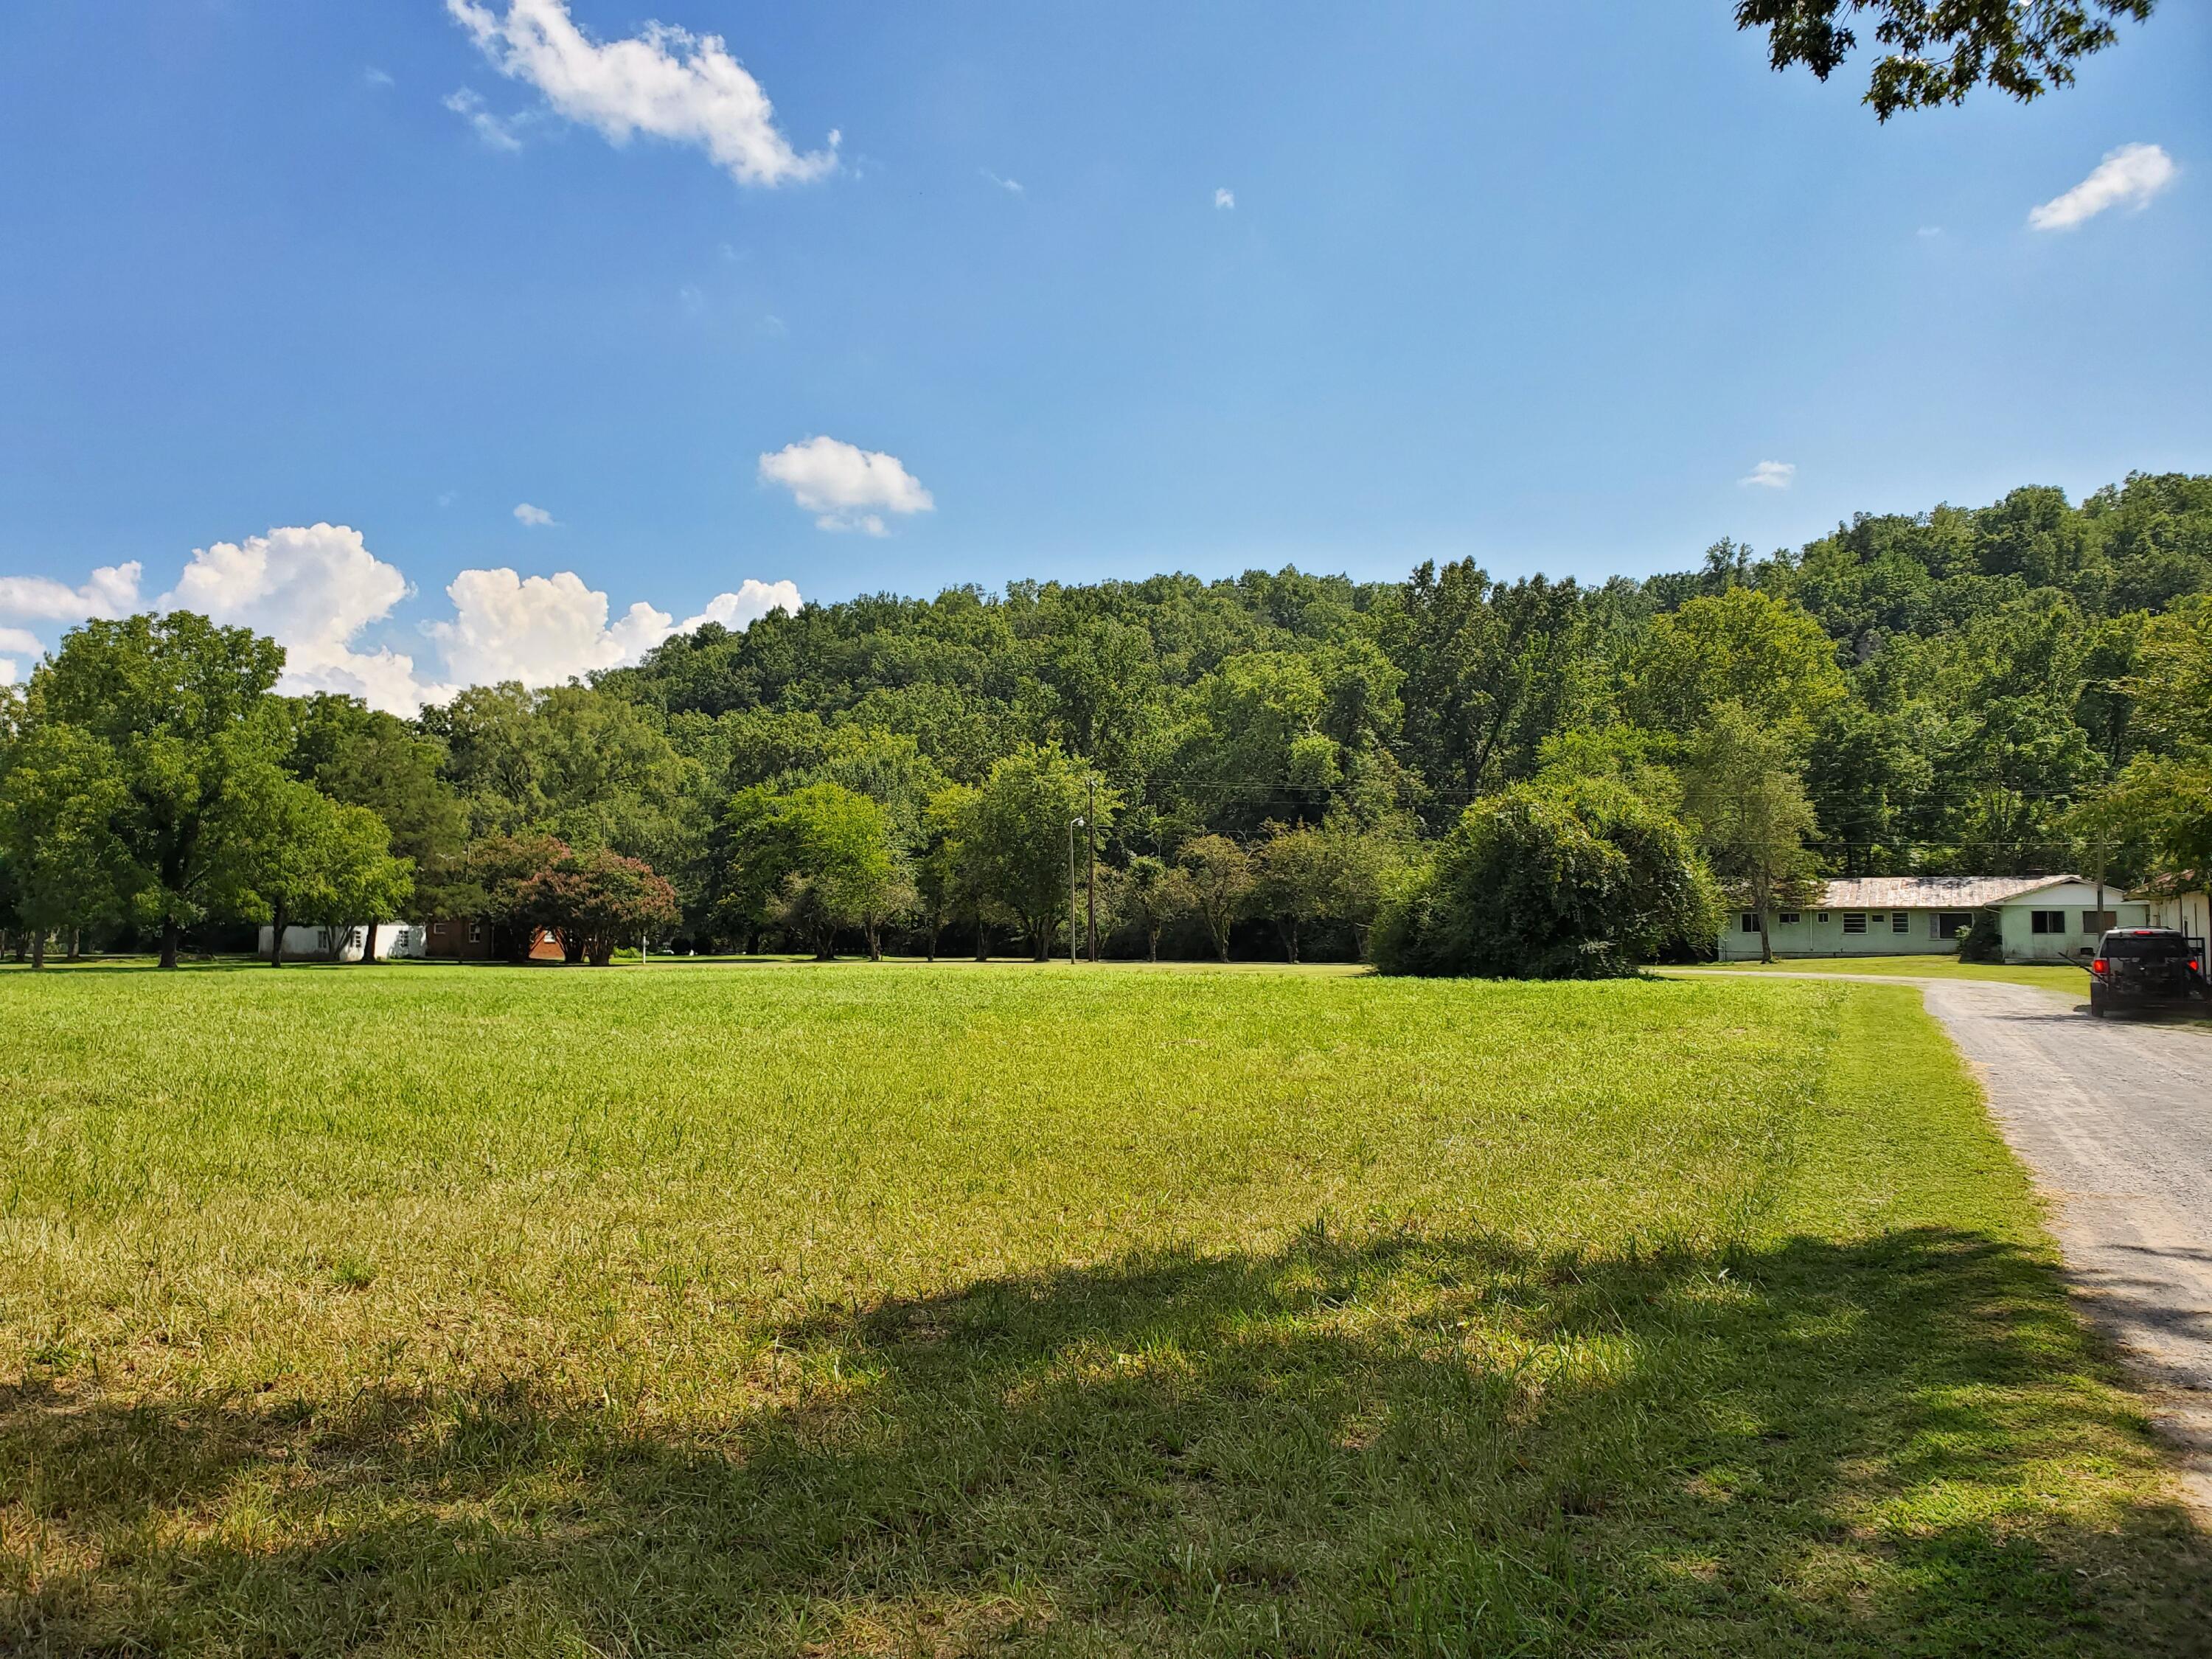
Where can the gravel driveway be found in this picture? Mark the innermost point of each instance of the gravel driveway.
(2115, 1118)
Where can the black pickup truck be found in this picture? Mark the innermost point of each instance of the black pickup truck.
(2145, 967)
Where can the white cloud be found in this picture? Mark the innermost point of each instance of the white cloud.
(1771, 475)
(316, 589)
(1224, 198)
(752, 601)
(2128, 176)
(312, 589)
(1011, 186)
(850, 487)
(1929, 232)
(535, 517)
(665, 83)
(376, 77)
(112, 591)
(498, 132)
(541, 630)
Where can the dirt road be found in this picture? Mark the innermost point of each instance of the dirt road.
(2115, 1118)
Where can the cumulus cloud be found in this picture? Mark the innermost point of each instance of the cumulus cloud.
(848, 487)
(318, 589)
(752, 601)
(546, 630)
(1224, 198)
(665, 83)
(533, 516)
(112, 592)
(541, 630)
(2127, 177)
(314, 589)
(1770, 475)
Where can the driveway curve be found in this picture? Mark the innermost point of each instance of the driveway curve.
(2114, 1117)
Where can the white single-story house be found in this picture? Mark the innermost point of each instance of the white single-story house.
(395, 941)
(2040, 918)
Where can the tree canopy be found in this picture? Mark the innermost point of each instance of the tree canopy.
(1937, 51)
(2014, 688)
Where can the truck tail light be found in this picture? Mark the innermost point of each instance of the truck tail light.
(2098, 966)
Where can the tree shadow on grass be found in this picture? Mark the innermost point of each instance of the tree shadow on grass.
(1397, 1443)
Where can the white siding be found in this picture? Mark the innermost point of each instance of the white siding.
(2075, 904)
(395, 941)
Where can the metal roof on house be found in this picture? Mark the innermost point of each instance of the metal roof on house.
(1931, 892)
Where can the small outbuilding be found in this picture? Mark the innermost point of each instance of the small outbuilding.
(395, 941)
(2182, 902)
(2040, 918)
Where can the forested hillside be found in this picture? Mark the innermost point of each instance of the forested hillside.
(2015, 688)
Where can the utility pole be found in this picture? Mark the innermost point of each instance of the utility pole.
(1090, 843)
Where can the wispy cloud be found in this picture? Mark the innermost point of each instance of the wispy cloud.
(1224, 198)
(496, 131)
(374, 76)
(2127, 177)
(535, 517)
(847, 487)
(1011, 186)
(663, 82)
(1770, 475)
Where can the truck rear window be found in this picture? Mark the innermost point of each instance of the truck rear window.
(2137, 945)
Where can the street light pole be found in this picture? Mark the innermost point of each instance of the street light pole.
(1073, 825)
(1090, 846)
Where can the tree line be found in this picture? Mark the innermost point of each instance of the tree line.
(1451, 773)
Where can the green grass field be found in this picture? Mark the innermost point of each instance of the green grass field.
(792, 1309)
(2049, 976)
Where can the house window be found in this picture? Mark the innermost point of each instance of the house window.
(1876, 918)
(1788, 918)
(1854, 923)
(476, 932)
(1900, 923)
(437, 928)
(1823, 916)
(1749, 922)
(2046, 921)
(2099, 921)
(1949, 924)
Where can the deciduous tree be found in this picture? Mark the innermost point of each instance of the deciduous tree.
(1746, 800)
(183, 711)
(1155, 894)
(1220, 877)
(1018, 830)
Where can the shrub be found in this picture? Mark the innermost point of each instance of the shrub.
(1984, 939)
(1576, 879)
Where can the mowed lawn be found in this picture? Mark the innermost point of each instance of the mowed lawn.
(796, 1310)
(2061, 978)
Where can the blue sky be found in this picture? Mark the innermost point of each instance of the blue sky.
(1541, 285)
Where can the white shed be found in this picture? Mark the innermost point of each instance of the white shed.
(2041, 918)
(395, 941)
